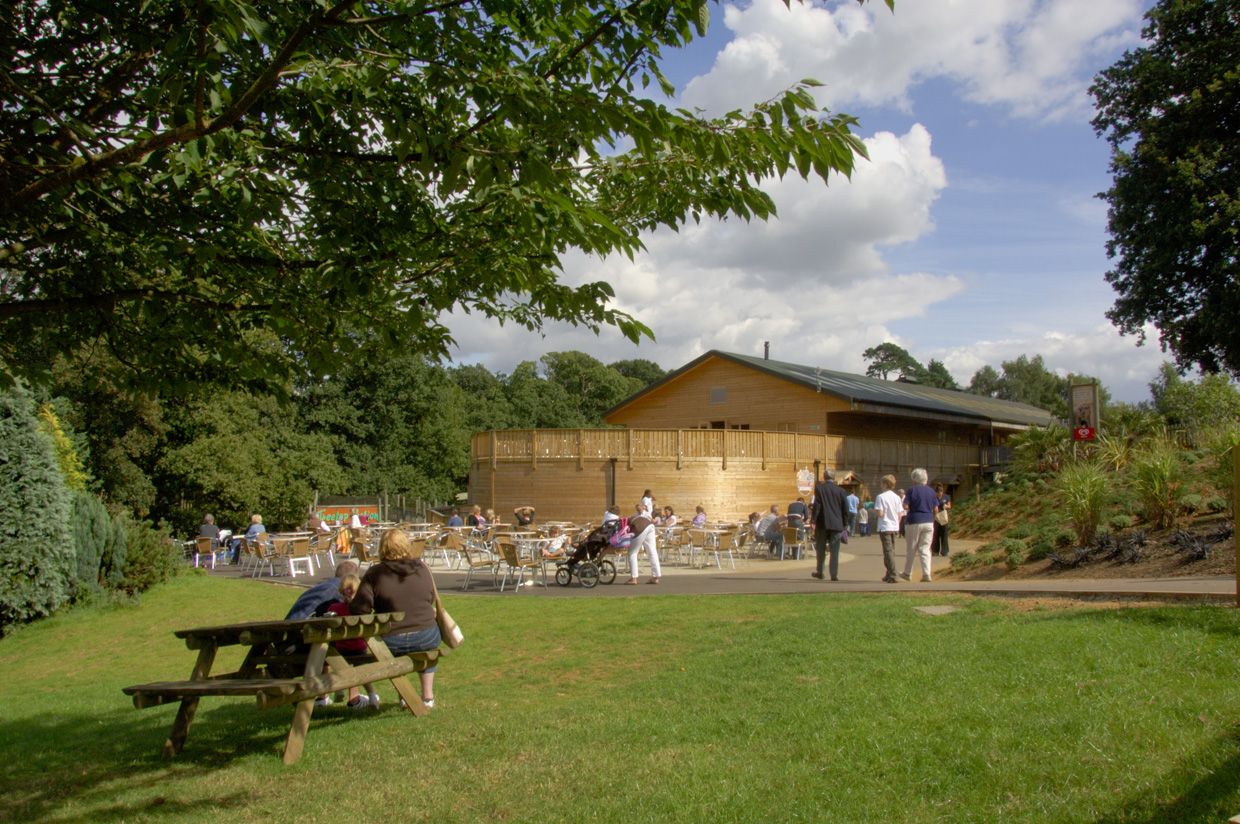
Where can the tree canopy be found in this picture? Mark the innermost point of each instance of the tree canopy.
(890, 357)
(175, 174)
(1171, 112)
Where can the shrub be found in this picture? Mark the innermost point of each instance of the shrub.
(37, 565)
(1040, 547)
(1157, 478)
(1216, 503)
(965, 560)
(1015, 558)
(1063, 539)
(1191, 502)
(151, 557)
(1019, 532)
(1085, 489)
(99, 542)
(1119, 523)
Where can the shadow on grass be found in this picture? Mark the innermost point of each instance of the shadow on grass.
(108, 765)
(1209, 791)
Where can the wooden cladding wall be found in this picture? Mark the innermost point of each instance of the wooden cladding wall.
(753, 399)
(567, 474)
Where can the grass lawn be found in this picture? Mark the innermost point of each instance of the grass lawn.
(849, 708)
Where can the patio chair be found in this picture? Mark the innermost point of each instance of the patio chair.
(323, 543)
(264, 553)
(475, 556)
(794, 542)
(206, 547)
(514, 564)
(728, 543)
(296, 552)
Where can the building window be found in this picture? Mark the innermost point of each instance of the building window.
(785, 427)
(740, 426)
(718, 394)
(718, 425)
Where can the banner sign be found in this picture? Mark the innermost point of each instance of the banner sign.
(805, 482)
(1084, 411)
(332, 514)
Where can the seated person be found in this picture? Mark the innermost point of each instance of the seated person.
(699, 518)
(352, 646)
(316, 524)
(455, 518)
(798, 514)
(669, 517)
(553, 547)
(612, 514)
(256, 529)
(770, 529)
(524, 515)
(475, 518)
(322, 594)
(208, 529)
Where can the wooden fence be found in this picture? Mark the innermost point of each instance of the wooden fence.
(574, 473)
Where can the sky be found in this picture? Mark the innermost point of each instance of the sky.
(973, 234)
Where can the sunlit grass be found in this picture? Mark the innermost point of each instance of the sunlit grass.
(806, 707)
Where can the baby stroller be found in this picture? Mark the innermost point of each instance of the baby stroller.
(588, 561)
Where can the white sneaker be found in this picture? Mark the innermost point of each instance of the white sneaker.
(430, 705)
(323, 701)
(373, 700)
(359, 703)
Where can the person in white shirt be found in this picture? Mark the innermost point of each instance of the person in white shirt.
(888, 507)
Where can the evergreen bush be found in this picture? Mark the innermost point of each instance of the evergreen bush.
(37, 563)
(151, 557)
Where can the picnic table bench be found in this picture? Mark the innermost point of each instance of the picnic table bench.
(286, 664)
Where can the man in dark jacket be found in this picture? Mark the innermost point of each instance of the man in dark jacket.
(829, 517)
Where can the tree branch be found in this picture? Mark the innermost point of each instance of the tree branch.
(182, 134)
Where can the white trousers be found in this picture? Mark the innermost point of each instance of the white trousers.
(918, 537)
(648, 538)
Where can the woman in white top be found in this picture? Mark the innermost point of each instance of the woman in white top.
(888, 507)
(669, 517)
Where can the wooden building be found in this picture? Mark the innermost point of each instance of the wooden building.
(731, 432)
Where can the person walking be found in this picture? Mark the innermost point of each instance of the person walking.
(919, 506)
(939, 544)
(887, 511)
(644, 534)
(830, 516)
(853, 503)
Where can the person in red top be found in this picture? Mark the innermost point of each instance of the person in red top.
(353, 646)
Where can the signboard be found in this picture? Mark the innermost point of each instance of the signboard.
(805, 482)
(1084, 411)
(335, 514)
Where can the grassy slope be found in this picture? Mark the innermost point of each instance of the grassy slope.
(822, 708)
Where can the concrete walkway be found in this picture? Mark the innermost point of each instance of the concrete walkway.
(861, 570)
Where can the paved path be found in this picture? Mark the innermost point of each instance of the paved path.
(861, 570)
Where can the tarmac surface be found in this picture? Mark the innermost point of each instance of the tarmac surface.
(861, 570)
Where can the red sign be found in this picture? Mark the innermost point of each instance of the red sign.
(1083, 433)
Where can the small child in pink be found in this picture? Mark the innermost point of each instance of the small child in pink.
(352, 646)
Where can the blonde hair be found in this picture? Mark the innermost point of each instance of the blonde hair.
(889, 482)
(395, 544)
(349, 585)
(256, 518)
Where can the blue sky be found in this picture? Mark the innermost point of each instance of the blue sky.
(973, 235)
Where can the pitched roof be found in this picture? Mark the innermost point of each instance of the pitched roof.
(876, 395)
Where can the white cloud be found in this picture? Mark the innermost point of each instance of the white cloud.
(1123, 367)
(1033, 57)
(813, 282)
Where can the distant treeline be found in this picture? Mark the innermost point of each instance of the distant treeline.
(401, 425)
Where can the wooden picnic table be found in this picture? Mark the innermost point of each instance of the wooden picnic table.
(278, 650)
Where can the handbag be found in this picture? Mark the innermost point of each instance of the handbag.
(449, 632)
(940, 517)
